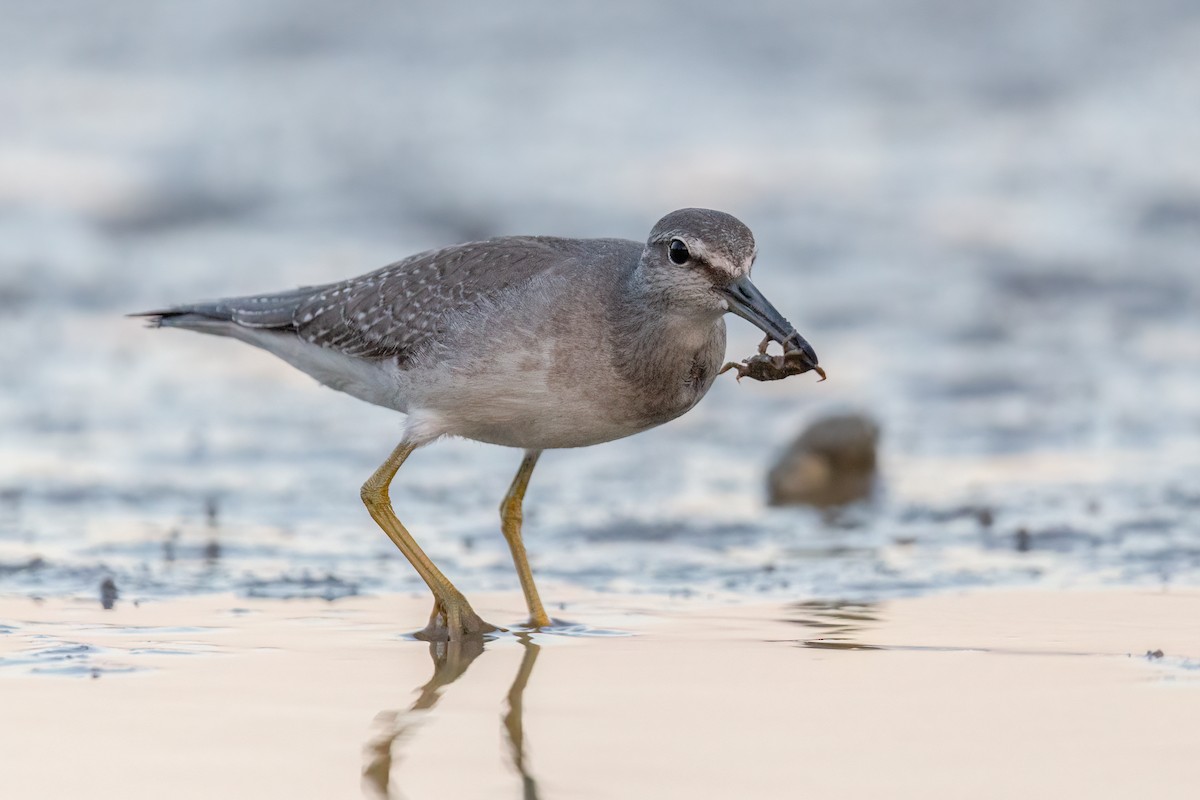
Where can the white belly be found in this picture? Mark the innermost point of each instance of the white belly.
(523, 397)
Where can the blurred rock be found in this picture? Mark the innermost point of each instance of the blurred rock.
(1022, 540)
(212, 551)
(831, 463)
(212, 511)
(108, 594)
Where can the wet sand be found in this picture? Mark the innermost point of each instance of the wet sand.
(1004, 694)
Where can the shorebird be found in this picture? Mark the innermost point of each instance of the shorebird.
(532, 342)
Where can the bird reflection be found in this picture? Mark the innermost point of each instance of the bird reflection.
(450, 662)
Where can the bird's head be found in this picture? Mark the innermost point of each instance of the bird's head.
(700, 259)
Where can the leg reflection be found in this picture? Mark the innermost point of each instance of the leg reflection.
(514, 718)
(450, 662)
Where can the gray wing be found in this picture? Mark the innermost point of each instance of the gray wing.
(393, 310)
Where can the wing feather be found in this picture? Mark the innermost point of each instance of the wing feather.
(391, 311)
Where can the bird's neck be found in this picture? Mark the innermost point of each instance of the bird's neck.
(665, 350)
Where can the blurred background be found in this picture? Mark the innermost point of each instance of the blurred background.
(984, 216)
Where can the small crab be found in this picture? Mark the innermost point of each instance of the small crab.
(766, 367)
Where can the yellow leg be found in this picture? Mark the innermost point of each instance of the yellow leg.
(452, 617)
(510, 522)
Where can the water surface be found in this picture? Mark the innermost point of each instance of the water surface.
(984, 218)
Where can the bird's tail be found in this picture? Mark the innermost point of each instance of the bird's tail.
(270, 311)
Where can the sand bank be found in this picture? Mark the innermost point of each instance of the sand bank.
(1007, 694)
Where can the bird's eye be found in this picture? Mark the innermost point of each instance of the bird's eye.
(678, 252)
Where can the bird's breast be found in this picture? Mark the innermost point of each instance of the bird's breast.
(665, 375)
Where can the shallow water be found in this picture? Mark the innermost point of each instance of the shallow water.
(990, 694)
(985, 219)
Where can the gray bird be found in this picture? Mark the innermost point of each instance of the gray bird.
(533, 342)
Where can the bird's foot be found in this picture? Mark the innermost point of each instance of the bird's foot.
(453, 620)
(538, 621)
